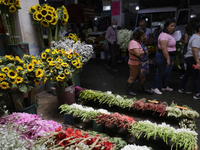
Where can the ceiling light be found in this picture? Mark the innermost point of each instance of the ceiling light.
(137, 7)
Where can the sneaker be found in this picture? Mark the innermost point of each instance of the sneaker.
(184, 91)
(196, 96)
(156, 90)
(167, 89)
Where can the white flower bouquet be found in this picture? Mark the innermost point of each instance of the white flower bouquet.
(82, 49)
(124, 38)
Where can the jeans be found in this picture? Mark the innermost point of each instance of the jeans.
(113, 54)
(163, 71)
(190, 71)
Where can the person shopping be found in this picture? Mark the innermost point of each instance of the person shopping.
(138, 62)
(164, 57)
(192, 57)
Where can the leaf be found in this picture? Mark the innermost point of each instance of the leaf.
(23, 88)
(2, 92)
(9, 65)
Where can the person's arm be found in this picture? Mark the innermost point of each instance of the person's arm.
(138, 52)
(186, 38)
(107, 36)
(196, 56)
(163, 47)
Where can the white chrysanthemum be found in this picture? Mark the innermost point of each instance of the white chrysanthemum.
(109, 92)
(124, 38)
(135, 147)
(103, 111)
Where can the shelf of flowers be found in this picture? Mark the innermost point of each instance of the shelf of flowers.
(36, 133)
(185, 115)
(182, 137)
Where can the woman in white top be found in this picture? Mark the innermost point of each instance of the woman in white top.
(193, 57)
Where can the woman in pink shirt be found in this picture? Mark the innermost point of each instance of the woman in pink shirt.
(136, 52)
(164, 57)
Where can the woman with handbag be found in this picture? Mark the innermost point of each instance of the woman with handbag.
(138, 61)
(164, 57)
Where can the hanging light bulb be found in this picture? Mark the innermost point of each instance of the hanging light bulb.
(137, 7)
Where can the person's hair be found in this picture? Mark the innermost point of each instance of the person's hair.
(114, 20)
(142, 20)
(189, 29)
(68, 26)
(137, 34)
(167, 23)
(197, 26)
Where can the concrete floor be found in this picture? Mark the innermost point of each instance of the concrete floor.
(96, 76)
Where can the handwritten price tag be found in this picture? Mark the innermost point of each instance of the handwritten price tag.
(156, 102)
(182, 107)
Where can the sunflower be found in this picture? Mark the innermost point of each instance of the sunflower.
(66, 72)
(58, 79)
(61, 76)
(30, 67)
(45, 6)
(6, 2)
(74, 62)
(19, 68)
(11, 2)
(60, 61)
(19, 80)
(60, 51)
(4, 85)
(52, 63)
(51, 71)
(5, 69)
(24, 65)
(45, 79)
(44, 23)
(34, 61)
(2, 76)
(38, 16)
(55, 14)
(36, 81)
(17, 3)
(18, 59)
(26, 56)
(57, 66)
(63, 22)
(9, 57)
(51, 8)
(47, 50)
(49, 59)
(39, 73)
(75, 54)
(65, 16)
(44, 12)
(64, 8)
(78, 65)
(38, 7)
(12, 74)
(51, 79)
(69, 56)
(43, 55)
(53, 52)
(32, 9)
(34, 15)
(49, 18)
(64, 64)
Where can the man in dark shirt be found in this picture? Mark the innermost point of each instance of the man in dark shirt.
(111, 37)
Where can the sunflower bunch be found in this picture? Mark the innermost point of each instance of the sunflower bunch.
(7, 9)
(10, 5)
(73, 37)
(44, 15)
(61, 66)
(20, 74)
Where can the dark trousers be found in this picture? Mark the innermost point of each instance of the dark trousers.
(163, 71)
(190, 71)
(113, 49)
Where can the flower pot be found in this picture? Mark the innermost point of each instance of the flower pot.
(68, 119)
(66, 96)
(31, 109)
(97, 127)
(3, 45)
(19, 49)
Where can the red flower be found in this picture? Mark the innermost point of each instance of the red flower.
(59, 129)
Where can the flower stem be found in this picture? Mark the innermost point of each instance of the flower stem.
(13, 29)
(39, 30)
(6, 28)
(57, 32)
(49, 35)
